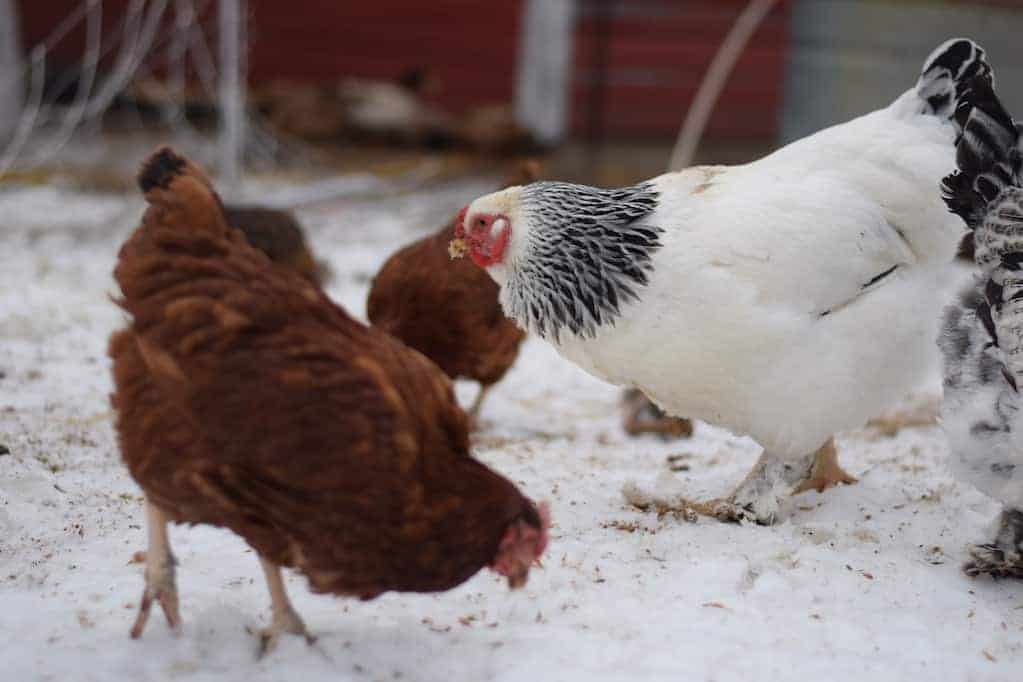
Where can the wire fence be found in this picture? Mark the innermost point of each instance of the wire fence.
(153, 63)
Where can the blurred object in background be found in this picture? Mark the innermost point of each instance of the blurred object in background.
(93, 68)
(11, 93)
(545, 58)
(308, 110)
(643, 416)
(395, 111)
(847, 58)
(636, 68)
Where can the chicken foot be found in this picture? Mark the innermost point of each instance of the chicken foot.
(643, 416)
(923, 415)
(826, 472)
(760, 495)
(284, 618)
(160, 583)
(1002, 558)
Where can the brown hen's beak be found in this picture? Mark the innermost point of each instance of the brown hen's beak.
(458, 247)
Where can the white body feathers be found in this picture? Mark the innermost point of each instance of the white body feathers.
(733, 327)
(772, 308)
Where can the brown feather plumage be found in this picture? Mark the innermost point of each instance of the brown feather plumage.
(447, 309)
(279, 235)
(246, 399)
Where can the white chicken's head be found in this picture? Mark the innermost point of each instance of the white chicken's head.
(567, 257)
(493, 229)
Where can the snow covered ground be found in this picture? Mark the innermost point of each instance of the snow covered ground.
(860, 583)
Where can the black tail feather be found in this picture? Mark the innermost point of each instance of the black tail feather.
(946, 73)
(988, 153)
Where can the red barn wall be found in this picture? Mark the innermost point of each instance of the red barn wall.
(658, 53)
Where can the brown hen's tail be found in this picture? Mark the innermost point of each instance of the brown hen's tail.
(179, 194)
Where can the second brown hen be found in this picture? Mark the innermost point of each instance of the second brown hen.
(447, 309)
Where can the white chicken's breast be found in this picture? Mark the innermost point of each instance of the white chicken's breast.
(785, 299)
(982, 338)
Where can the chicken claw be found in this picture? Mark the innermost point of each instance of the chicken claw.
(284, 622)
(826, 472)
(643, 416)
(1002, 558)
(761, 495)
(284, 618)
(160, 582)
(990, 559)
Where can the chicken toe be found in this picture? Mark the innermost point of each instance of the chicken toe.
(284, 618)
(1002, 558)
(160, 582)
(643, 416)
(826, 471)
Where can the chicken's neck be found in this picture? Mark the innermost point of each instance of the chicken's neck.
(587, 253)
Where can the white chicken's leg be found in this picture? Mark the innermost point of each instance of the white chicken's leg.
(160, 583)
(643, 416)
(284, 618)
(759, 497)
(826, 472)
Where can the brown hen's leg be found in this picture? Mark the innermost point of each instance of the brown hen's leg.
(826, 471)
(283, 618)
(642, 416)
(474, 409)
(160, 584)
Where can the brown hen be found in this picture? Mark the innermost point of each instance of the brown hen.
(278, 234)
(246, 399)
(448, 309)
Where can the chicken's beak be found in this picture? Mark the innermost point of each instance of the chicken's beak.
(458, 247)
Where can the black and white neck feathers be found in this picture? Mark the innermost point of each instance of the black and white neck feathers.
(588, 252)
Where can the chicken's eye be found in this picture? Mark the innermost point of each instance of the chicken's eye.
(481, 222)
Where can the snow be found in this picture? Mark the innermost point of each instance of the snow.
(861, 582)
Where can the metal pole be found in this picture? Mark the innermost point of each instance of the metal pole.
(714, 81)
(11, 70)
(232, 91)
(543, 80)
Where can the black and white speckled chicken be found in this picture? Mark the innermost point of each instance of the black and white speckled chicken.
(982, 338)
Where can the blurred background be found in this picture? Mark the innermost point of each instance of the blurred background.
(344, 96)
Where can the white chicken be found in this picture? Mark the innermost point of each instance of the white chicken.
(982, 337)
(786, 299)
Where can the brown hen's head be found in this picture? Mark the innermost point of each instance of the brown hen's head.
(522, 545)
